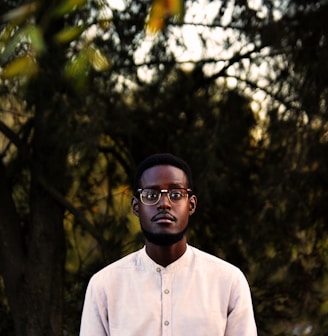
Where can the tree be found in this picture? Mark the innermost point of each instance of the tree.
(41, 43)
(37, 177)
(261, 181)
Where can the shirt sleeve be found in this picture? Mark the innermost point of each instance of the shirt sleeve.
(94, 319)
(240, 321)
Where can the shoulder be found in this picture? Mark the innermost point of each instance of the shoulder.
(116, 268)
(216, 268)
(211, 262)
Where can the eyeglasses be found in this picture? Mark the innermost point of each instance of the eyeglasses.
(152, 196)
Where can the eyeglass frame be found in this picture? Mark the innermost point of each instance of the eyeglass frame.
(161, 191)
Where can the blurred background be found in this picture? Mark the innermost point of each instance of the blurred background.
(236, 88)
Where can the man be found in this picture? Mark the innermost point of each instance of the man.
(168, 287)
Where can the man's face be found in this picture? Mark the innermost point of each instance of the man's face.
(164, 217)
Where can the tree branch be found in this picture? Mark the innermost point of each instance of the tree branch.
(70, 207)
(8, 133)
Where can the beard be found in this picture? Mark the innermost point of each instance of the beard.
(164, 239)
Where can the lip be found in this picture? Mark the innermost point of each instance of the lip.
(163, 217)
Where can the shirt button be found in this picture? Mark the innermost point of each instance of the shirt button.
(158, 269)
(166, 323)
(166, 291)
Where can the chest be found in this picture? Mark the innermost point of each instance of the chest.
(168, 303)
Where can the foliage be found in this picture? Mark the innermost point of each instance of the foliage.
(96, 93)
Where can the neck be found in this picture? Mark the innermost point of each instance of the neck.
(165, 255)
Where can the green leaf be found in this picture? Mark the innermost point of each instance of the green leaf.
(77, 70)
(30, 33)
(34, 33)
(9, 42)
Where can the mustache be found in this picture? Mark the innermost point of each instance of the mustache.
(163, 215)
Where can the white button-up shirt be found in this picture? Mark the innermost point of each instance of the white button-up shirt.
(197, 295)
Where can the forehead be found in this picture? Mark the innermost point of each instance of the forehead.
(163, 175)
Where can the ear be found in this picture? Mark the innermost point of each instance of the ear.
(135, 205)
(192, 204)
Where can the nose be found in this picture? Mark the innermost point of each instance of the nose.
(164, 201)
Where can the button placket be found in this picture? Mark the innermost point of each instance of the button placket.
(166, 304)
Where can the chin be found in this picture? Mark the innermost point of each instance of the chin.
(164, 238)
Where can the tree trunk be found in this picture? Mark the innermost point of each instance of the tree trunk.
(36, 302)
(33, 265)
(12, 257)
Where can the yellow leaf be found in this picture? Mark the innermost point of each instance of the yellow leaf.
(68, 6)
(157, 16)
(161, 10)
(21, 66)
(20, 14)
(104, 24)
(155, 24)
(97, 60)
(69, 34)
(176, 9)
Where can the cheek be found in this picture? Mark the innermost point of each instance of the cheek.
(145, 213)
(184, 213)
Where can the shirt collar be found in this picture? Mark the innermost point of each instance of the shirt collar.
(145, 261)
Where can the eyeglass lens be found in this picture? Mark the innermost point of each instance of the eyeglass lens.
(152, 196)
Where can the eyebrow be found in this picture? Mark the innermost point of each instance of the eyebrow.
(171, 186)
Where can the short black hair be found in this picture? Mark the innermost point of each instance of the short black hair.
(161, 159)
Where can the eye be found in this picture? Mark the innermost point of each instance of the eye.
(176, 194)
(150, 194)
